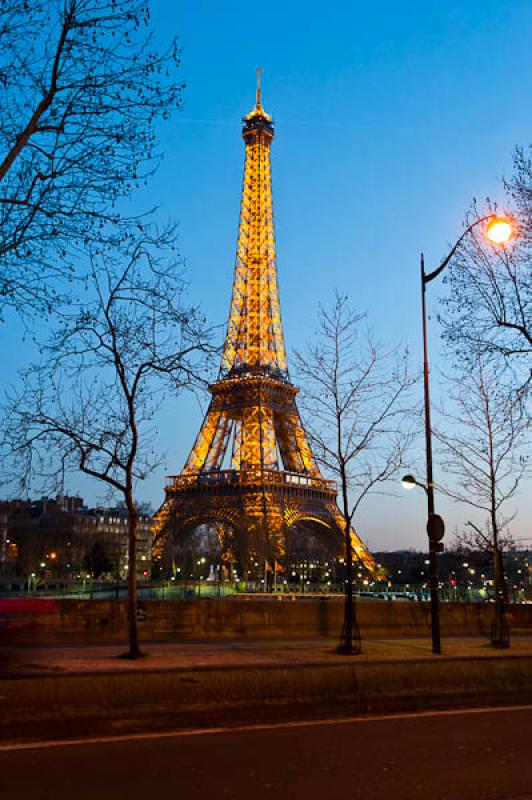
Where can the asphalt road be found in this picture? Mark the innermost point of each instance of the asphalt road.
(457, 755)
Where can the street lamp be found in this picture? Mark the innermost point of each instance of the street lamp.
(435, 532)
(409, 482)
(497, 230)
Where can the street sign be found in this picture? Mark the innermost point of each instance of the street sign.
(435, 528)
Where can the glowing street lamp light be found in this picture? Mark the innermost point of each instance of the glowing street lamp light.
(499, 230)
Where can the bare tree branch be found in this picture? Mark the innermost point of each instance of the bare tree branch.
(356, 401)
(489, 308)
(82, 90)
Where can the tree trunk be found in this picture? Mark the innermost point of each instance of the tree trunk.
(500, 632)
(349, 645)
(134, 649)
(348, 612)
(501, 588)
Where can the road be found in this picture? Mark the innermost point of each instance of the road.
(455, 755)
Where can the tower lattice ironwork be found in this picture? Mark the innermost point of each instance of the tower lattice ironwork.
(251, 475)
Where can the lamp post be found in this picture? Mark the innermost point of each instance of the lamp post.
(435, 531)
(498, 230)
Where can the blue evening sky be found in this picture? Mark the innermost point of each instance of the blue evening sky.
(390, 117)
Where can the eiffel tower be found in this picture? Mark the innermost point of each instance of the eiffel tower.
(251, 475)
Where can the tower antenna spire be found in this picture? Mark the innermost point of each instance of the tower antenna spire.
(258, 101)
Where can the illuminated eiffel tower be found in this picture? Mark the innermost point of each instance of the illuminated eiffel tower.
(251, 475)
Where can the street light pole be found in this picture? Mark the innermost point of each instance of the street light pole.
(433, 563)
(498, 231)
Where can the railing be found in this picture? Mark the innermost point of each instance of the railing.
(233, 477)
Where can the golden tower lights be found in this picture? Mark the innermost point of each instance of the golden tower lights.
(251, 467)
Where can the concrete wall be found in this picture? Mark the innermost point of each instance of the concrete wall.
(105, 620)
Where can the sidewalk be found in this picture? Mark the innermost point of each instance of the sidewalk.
(75, 690)
(42, 659)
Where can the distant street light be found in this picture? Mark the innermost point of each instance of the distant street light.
(498, 230)
(409, 482)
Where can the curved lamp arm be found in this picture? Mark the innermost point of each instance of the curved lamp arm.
(409, 481)
(430, 277)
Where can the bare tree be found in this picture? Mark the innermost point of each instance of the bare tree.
(489, 308)
(484, 435)
(81, 88)
(91, 401)
(356, 403)
(475, 539)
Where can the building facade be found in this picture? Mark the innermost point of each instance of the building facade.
(61, 539)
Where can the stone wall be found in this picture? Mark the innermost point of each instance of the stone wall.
(105, 620)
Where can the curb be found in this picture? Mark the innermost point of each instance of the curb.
(362, 687)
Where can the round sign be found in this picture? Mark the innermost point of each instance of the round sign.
(435, 528)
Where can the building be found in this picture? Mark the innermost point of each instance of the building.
(60, 539)
(112, 528)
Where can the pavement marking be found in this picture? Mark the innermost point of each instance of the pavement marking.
(268, 726)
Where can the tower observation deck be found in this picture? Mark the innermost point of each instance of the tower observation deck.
(251, 475)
